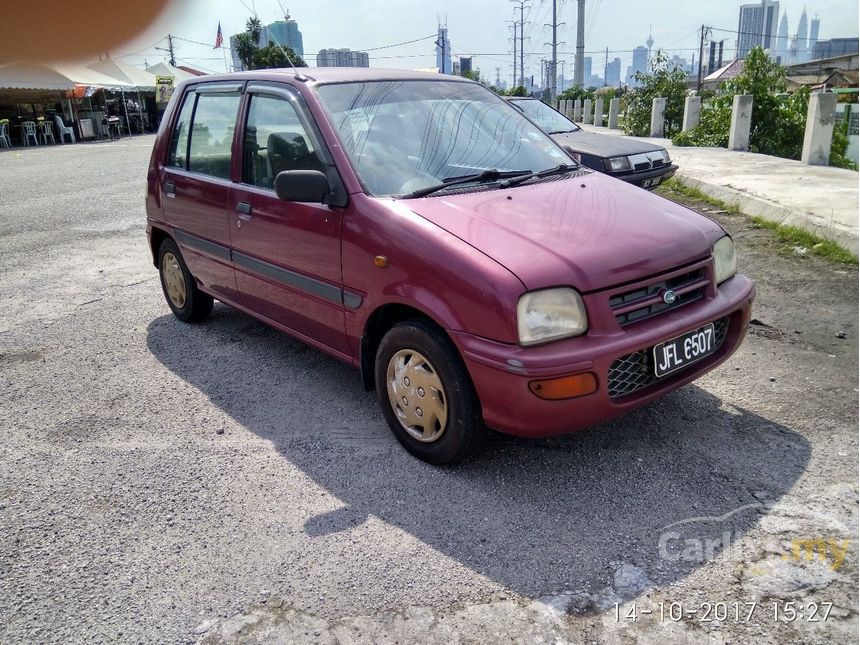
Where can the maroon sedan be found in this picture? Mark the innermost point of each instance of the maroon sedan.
(423, 230)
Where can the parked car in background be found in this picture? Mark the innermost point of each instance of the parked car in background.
(636, 162)
(420, 228)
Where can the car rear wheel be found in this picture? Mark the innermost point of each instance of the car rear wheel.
(187, 302)
(426, 394)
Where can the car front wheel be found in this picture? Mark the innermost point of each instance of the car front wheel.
(426, 394)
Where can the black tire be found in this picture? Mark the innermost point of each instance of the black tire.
(196, 305)
(464, 429)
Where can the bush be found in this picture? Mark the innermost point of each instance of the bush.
(663, 81)
(778, 119)
(840, 146)
(712, 130)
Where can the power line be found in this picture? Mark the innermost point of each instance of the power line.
(405, 42)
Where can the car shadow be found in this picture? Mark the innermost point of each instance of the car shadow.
(538, 516)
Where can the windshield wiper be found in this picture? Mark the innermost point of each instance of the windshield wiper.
(490, 174)
(555, 170)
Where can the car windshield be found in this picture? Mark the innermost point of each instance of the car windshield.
(549, 120)
(405, 136)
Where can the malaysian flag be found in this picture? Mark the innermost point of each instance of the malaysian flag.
(219, 37)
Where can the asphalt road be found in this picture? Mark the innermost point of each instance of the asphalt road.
(223, 482)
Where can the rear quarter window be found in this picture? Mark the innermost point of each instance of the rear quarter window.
(178, 155)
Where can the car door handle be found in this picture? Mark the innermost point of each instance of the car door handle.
(170, 189)
(244, 210)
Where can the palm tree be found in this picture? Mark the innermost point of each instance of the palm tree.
(255, 29)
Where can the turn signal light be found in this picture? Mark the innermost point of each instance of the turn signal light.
(566, 387)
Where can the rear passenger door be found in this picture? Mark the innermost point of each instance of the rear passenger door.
(196, 183)
(286, 254)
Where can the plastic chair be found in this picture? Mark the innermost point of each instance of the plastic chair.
(63, 129)
(30, 132)
(47, 132)
(5, 141)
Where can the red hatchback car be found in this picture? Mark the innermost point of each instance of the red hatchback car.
(420, 228)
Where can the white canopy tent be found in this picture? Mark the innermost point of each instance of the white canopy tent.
(140, 79)
(32, 76)
(165, 69)
(56, 76)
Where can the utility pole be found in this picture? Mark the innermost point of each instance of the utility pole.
(553, 71)
(498, 78)
(705, 33)
(579, 63)
(523, 6)
(606, 67)
(170, 49)
(515, 53)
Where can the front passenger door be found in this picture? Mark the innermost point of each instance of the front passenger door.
(286, 254)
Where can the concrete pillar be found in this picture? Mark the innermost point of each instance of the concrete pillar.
(577, 110)
(614, 109)
(598, 112)
(658, 106)
(566, 108)
(819, 129)
(692, 110)
(739, 132)
(586, 111)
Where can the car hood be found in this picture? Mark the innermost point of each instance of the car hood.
(603, 145)
(586, 230)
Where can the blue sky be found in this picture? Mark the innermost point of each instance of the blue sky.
(476, 27)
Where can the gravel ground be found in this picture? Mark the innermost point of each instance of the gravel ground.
(162, 482)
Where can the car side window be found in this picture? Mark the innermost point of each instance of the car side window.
(210, 149)
(275, 140)
(178, 157)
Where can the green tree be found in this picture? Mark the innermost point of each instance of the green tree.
(472, 75)
(273, 57)
(663, 80)
(254, 28)
(576, 92)
(246, 47)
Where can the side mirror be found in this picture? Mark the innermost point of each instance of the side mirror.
(302, 186)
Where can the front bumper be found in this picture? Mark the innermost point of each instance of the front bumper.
(501, 372)
(649, 179)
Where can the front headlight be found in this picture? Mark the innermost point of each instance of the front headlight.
(666, 158)
(619, 163)
(550, 314)
(725, 261)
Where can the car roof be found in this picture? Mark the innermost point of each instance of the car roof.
(320, 75)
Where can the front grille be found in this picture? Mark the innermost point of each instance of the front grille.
(644, 165)
(635, 371)
(623, 304)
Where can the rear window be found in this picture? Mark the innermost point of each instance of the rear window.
(210, 148)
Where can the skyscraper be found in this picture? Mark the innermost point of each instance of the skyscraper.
(285, 32)
(802, 29)
(342, 58)
(640, 64)
(815, 25)
(613, 72)
(443, 51)
(781, 49)
(750, 31)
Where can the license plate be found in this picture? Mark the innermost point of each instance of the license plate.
(649, 183)
(682, 351)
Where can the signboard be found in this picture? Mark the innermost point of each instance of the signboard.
(163, 88)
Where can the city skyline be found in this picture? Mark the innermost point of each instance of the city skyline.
(479, 30)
